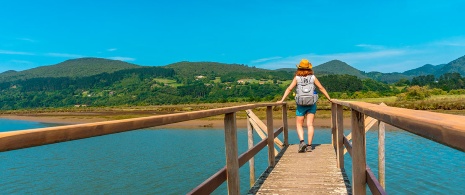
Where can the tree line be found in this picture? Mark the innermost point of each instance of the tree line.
(145, 86)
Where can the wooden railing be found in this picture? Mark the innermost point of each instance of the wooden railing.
(442, 128)
(230, 172)
(36, 137)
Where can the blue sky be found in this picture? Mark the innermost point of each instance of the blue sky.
(385, 36)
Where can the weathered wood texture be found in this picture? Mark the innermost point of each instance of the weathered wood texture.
(359, 179)
(285, 136)
(340, 136)
(446, 129)
(381, 154)
(313, 172)
(232, 159)
(29, 138)
(261, 128)
(334, 125)
(269, 126)
(250, 146)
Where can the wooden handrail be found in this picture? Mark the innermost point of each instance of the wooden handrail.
(446, 129)
(442, 128)
(209, 185)
(29, 138)
(373, 183)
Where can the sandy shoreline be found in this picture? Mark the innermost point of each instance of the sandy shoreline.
(192, 124)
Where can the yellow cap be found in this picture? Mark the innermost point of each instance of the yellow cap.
(304, 64)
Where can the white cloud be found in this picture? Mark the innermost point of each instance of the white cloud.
(368, 46)
(64, 55)
(15, 52)
(22, 62)
(122, 58)
(454, 42)
(112, 49)
(266, 59)
(27, 39)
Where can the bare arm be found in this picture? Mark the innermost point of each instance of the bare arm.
(288, 90)
(322, 89)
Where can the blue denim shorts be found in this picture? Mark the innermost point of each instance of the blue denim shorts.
(302, 110)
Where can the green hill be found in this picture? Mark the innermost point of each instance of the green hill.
(424, 70)
(457, 65)
(81, 67)
(191, 69)
(338, 67)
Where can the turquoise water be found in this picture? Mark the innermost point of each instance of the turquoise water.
(174, 161)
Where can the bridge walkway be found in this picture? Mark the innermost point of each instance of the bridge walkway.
(313, 172)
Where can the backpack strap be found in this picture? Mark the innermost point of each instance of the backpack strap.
(312, 79)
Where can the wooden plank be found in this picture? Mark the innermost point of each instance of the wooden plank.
(250, 146)
(263, 127)
(381, 154)
(373, 184)
(304, 173)
(257, 129)
(28, 138)
(340, 136)
(333, 124)
(232, 162)
(212, 183)
(369, 122)
(269, 125)
(446, 129)
(358, 153)
(285, 126)
(260, 133)
(348, 145)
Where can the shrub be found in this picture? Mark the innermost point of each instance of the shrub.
(414, 93)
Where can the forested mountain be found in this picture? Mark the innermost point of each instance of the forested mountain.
(101, 82)
(80, 67)
(424, 70)
(337, 67)
(211, 68)
(387, 77)
(457, 65)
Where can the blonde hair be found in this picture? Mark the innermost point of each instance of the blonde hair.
(304, 72)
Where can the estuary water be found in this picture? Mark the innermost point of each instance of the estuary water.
(174, 161)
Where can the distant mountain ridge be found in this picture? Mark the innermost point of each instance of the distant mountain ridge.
(207, 68)
(83, 67)
(338, 67)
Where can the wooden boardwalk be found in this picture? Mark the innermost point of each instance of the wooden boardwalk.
(313, 172)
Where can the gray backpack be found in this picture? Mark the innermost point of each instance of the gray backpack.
(305, 91)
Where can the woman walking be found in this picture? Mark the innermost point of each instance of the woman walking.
(306, 98)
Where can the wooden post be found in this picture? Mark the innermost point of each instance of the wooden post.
(333, 124)
(250, 143)
(340, 137)
(232, 161)
(269, 126)
(381, 154)
(359, 178)
(285, 125)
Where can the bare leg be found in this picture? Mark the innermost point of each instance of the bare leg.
(310, 127)
(299, 125)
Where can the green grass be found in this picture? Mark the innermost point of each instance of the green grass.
(217, 80)
(169, 82)
(285, 83)
(386, 100)
(447, 97)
